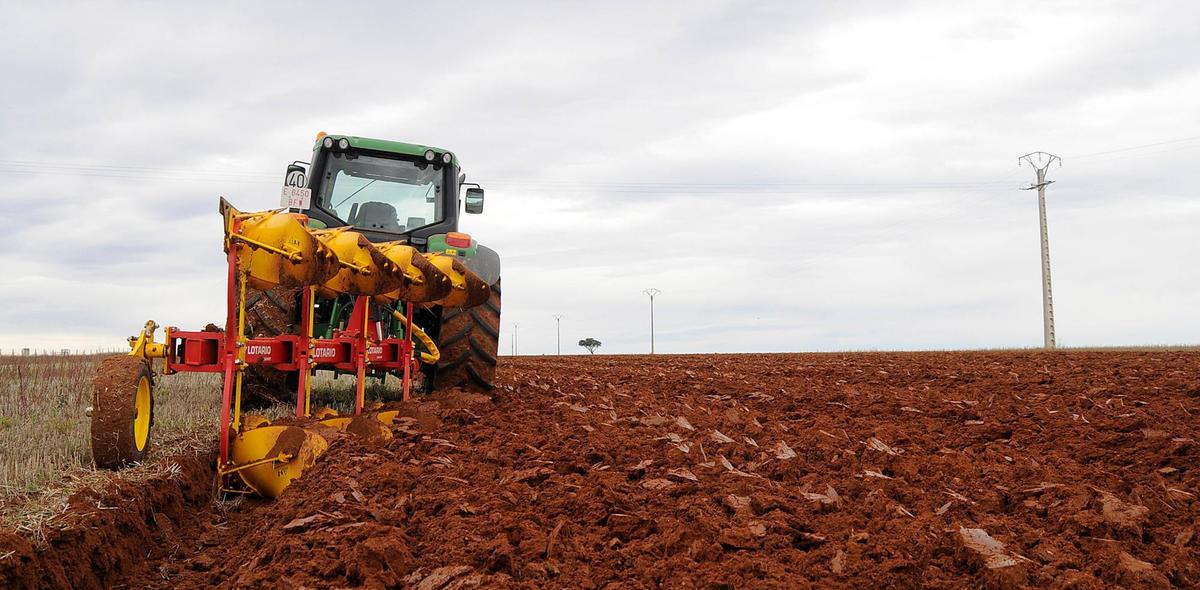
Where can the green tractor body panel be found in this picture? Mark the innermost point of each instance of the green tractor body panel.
(437, 243)
(391, 147)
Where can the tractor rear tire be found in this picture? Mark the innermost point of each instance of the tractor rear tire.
(122, 411)
(468, 339)
(273, 312)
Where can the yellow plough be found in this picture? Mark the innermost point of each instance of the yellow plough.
(386, 282)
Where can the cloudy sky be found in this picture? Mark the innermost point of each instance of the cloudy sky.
(825, 177)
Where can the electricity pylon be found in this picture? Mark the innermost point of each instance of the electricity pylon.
(651, 292)
(1040, 161)
(558, 332)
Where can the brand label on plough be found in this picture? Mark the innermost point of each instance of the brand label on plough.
(269, 352)
(331, 353)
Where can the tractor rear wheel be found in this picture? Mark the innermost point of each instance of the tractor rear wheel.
(122, 411)
(273, 312)
(468, 339)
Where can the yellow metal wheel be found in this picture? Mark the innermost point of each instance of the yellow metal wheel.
(141, 419)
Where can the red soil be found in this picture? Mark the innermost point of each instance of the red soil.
(939, 470)
(105, 535)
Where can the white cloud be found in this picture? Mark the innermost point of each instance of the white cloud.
(792, 178)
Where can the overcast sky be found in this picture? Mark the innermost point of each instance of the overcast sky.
(829, 177)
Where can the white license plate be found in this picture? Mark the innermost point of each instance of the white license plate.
(295, 197)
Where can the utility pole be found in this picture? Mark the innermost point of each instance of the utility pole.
(1040, 161)
(651, 292)
(558, 331)
(514, 338)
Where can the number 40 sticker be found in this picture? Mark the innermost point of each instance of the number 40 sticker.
(295, 197)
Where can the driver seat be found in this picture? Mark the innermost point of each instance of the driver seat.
(377, 215)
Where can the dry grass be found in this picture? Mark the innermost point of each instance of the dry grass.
(44, 426)
(45, 451)
(43, 421)
(337, 392)
(34, 513)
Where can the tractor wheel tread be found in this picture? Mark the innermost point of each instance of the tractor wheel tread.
(262, 321)
(273, 298)
(492, 306)
(469, 339)
(482, 353)
(270, 313)
(479, 380)
(454, 364)
(483, 325)
(454, 338)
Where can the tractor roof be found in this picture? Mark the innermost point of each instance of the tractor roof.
(394, 147)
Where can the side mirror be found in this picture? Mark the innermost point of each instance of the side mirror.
(474, 200)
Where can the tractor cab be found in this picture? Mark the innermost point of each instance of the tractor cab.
(386, 190)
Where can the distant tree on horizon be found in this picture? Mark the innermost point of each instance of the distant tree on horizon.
(591, 344)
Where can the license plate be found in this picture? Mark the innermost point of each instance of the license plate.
(295, 197)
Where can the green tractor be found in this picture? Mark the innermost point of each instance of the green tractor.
(387, 191)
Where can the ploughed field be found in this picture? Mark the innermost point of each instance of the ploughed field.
(940, 470)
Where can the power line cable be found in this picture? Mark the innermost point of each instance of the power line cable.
(115, 168)
(539, 186)
(783, 188)
(166, 173)
(1135, 147)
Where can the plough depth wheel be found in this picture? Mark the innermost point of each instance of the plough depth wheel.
(122, 411)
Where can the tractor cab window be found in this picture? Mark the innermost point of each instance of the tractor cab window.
(383, 194)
